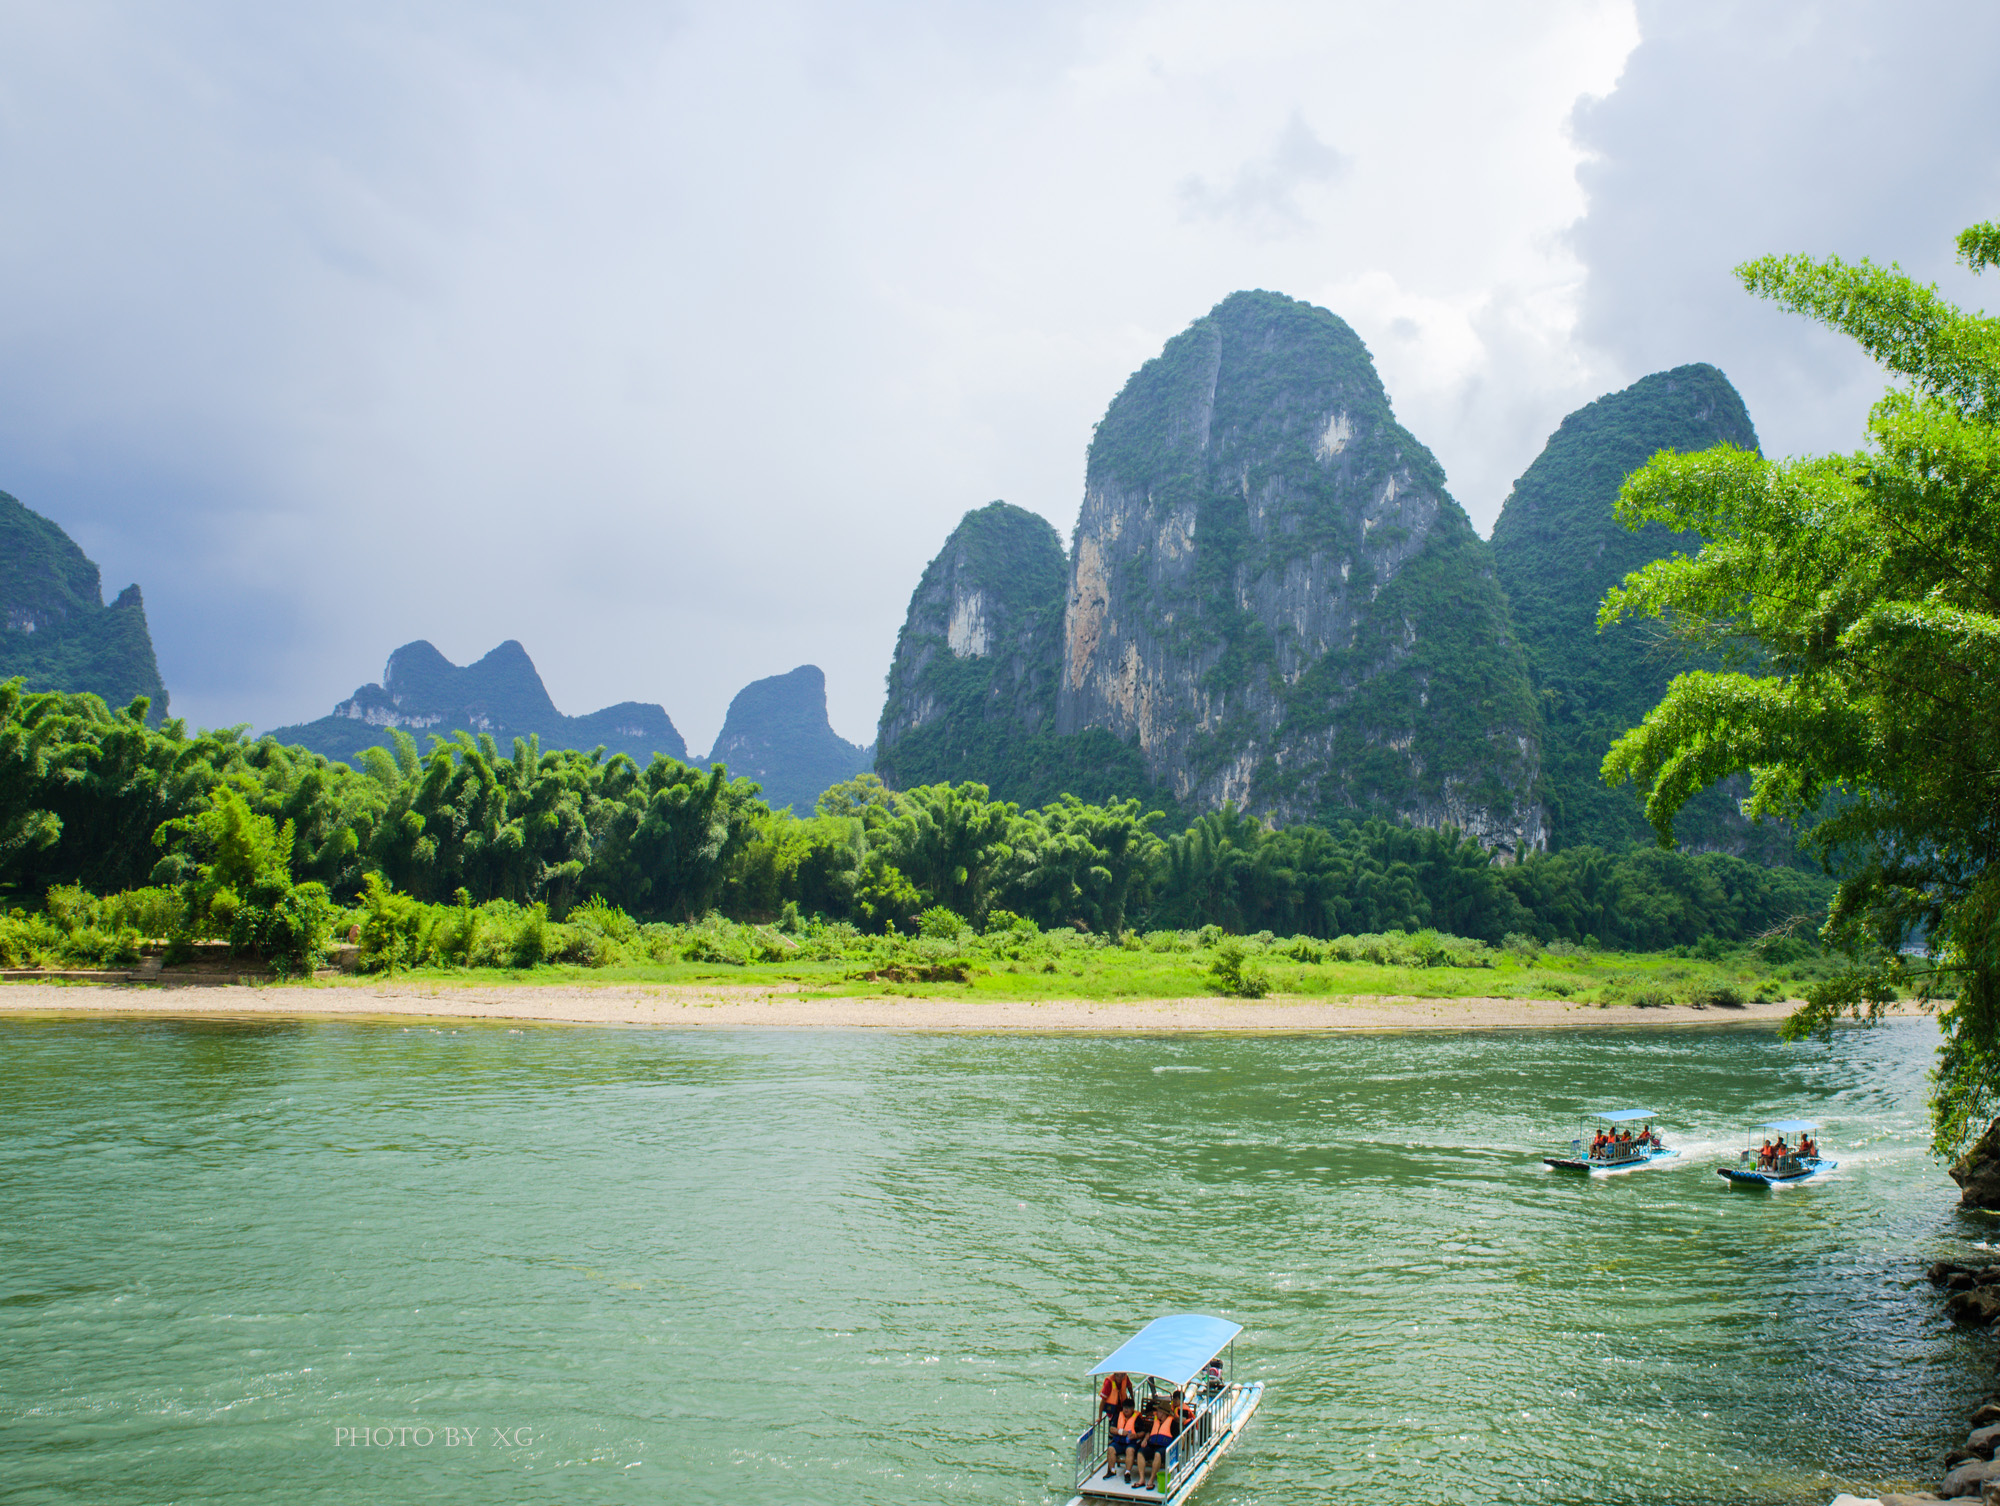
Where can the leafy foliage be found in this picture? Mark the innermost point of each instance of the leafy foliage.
(464, 857)
(1857, 601)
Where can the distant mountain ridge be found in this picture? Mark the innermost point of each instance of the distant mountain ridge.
(422, 692)
(55, 630)
(776, 732)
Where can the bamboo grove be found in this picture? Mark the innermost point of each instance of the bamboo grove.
(262, 844)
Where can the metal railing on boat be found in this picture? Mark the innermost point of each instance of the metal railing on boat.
(1204, 1428)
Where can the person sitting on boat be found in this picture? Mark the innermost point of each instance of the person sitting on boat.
(1124, 1448)
(1764, 1156)
(1141, 1445)
(1164, 1427)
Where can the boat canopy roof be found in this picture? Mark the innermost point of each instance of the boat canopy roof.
(1172, 1349)
(1624, 1116)
(1792, 1126)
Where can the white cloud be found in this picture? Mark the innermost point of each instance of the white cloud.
(673, 342)
(1263, 196)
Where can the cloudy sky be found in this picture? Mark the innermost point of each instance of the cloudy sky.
(672, 339)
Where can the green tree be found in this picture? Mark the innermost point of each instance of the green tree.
(1857, 601)
(951, 842)
(1073, 862)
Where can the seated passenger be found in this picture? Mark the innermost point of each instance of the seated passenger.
(1156, 1456)
(1142, 1444)
(1124, 1451)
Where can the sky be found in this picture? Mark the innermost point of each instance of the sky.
(673, 339)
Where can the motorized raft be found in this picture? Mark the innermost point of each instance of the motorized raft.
(1782, 1163)
(1189, 1354)
(1610, 1142)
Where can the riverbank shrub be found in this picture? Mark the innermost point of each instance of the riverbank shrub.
(1234, 974)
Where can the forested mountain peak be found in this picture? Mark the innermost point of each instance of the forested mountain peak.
(55, 630)
(777, 733)
(1559, 547)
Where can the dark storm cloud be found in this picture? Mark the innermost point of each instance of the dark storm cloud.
(1845, 128)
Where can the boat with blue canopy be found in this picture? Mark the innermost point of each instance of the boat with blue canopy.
(1780, 1162)
(1181, 1369)
(1617, 1140)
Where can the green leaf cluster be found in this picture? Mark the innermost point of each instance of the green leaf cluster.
(1855, 603)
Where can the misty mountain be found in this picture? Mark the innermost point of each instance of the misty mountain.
(777, 733)
(425, 694)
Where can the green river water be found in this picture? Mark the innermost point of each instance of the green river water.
(858, 1267)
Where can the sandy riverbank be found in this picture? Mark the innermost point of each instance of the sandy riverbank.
(724, 1008)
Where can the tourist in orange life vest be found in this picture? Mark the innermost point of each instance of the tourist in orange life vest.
(1153, 1453)
(1124, 1447)
(1114, 1393)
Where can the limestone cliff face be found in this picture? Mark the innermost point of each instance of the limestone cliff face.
(977, 657)
(972, 689)
(1275, 600)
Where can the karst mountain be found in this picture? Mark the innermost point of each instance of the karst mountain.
(1272, 600)
(56, 633)
(1558, 547)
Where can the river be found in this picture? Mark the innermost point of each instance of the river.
(563, 1264)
